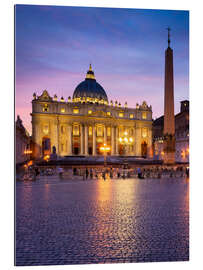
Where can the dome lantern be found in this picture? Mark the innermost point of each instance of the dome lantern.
(90, 73)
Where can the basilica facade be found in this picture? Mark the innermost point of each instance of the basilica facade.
(81, 125)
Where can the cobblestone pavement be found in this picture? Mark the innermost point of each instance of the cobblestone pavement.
(96, 221)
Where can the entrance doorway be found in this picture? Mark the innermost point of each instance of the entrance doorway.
(76, 149)
(144, 149)
(90, 151)
(46, 146)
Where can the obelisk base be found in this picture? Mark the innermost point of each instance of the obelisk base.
(169, 149)
(169, 158)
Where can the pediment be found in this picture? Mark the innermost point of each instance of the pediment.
(45, 96)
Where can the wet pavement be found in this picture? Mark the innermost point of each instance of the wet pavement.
(80, 222)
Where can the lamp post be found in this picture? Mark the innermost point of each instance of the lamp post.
(105, 149)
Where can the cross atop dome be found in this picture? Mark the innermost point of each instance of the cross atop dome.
(90, 73)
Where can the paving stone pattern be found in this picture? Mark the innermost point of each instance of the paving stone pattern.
(96, 221)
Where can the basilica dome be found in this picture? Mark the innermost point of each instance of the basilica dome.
(90, 90)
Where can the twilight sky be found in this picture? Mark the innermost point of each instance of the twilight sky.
(54, 46)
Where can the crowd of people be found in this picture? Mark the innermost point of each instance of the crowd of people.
(105, 173)
(122, 173)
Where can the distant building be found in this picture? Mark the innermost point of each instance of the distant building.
(181, 134)
(22, 142)
(81, 125)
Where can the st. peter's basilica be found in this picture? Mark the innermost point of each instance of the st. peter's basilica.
(87, 121)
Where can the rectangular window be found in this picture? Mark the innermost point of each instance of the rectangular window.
(90, 131)
(120, 114)
(131, 115)
(76, 130)
(90, 112)
(99, 131)
(144, 115)
(62, 110)
(75, 111)
(108, 113)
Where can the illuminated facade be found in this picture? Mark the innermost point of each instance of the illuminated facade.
(22, 145)
(181, 135)
(83, 124)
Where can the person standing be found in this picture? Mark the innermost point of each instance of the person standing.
(86, 173)
(139, 172)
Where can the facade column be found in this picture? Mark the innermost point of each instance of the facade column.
(105, 138)
(116, 140)
(134, 142)
(81, 139)
(54, 136)
(126, 146)
(150, 150)
(86, 140)
(94, 140)
(70, 140)
(138, 141)
(112, 140)
(36, 138)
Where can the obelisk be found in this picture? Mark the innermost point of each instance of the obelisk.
(169, 118)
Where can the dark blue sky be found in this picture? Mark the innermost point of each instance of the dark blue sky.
(54, 46)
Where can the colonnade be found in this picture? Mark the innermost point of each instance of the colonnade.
(84, 139)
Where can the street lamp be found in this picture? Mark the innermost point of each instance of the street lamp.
(105, 149)
(125, 140)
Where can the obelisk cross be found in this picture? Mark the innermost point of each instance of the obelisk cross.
(169, 29)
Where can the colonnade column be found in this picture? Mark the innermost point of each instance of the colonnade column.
(81, 139)
(86, 140)
(134, 141)
(116, 140)
(105, 140)
(150, 150)
(93, 140)
(70, 140)
(54, 135)
(112, 140)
